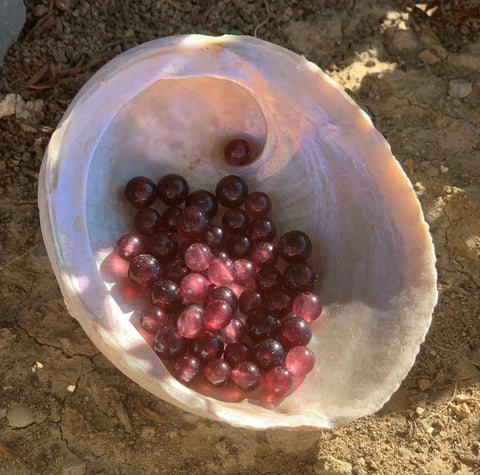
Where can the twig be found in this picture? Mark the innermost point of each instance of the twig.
(23, 254)
(264, 21)
(7, 452)
(148, 413)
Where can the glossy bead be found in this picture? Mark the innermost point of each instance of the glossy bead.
(220, 271)
(258, 204)
(235, 220)
(148, 221)
(206, 347)
(204, 200)
(233, 332)
(186, 368)
(299, 277)
(278, 303)
(194, 288)
(237, 152)
(300, 360)
(166, 294)
(192, 222)
(218, 315)
(239, 246)
(169, 218)
(153, 318)
(141, 192)
(279, 381)
(231, 191)
(217, 372)
(262, 229)
(144, 270)
(264, 253)
(223, 293)
(244, 273)
(294, 246)
(130, 246)
(308, 306)
(294, 332)
(191, 322)
(198, 256)
(246, 376)
(268, 279)
(214, 236)
(163, 245)
(269, 353)
(175, 270)
(262, 324)
(172, 190)
(168, 343)
(249, 301)
(237, 352)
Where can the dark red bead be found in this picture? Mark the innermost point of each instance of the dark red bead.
(192, 222)
(231, 191)
(225, 294)
(237, 152)
(169, 344)
(268, 279)
(249, 301)
(294, 332)
(279, 381)
(299, 277)
(207, 347)
(279, 303)
(175, 270)
(163, 246)
(246, 376)
(153, 318)
(214, 237)
(235, 220)
(233, 332)
(294, 246)
(172, 190)
(269, 353)
(264, 253)
(239, 246)
(186, 368)
(204, 200)
(237, 352)
(262, 324)
(144, 270)
(258, 204)
(262, 229)
(169, 218)
(130, 246)
(148, 221)
(217, 372)
(166, 294)
(141, 192)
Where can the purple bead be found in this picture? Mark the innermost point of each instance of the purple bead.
(235, 220)
(153, 318)
(262, 229)
(218, 315)
(192, 222)
(198, 256)
(258, 204)
(246, 376)
(279, 381)
(237, 352)
(186, 368)
(194, 288)
(261, 324)
(191, 322)
(130, 246)
(237, 152)
(166, 294)
(233, 332)
(244, 273)
(214, 237)
(231, 191)
(220, 271)
(148, 221)
(294, 332)
(217, 372)
(249, 301)
(175, 270)
(264, 253)
(168, 343)
(172, 190)
(299, 277)
(206, 347)
(268, 279)
(269, 353)
(163, 246)
(239, 246)
(141, 192)
(169, 218)
(308, 306)
(144, 270)
(204, 200)
(300, 360)
(294, 246)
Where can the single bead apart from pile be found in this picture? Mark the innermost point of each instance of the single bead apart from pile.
(220, 309)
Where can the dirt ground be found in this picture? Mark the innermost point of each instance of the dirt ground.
(65, 409)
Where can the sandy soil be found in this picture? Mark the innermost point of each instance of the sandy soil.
(65, 409)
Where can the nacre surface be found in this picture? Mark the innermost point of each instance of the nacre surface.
(170, 106)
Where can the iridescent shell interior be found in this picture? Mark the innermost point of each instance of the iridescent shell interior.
(170, 106)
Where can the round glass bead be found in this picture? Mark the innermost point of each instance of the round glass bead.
(169, 218)
(261, 324)
(148, 221)
(172, 190)
(233, 332)
(223, 293)
(294, 246)
(168, 343)
(264, 253)
(262, 229)
(214, 237)
(192, 222)
(198, 256)
(220, 271)
(163, 245)
(258, 204)
(299, 277)
(235, 220)
(144, 270)
(153, 318)
(191, 322)
(165, 294)
(237, 152)
(268, 279)
(141, 192)
(204, 200)
(186, 368)
(279, 381)
(308, 306)
(249, 301)
(294, 332)
(217, 372)
(218, 315)
(231, 191)
(300, 360)
(268, 353)
(246, 376)
(238, 246)
(206, 347)
(194, 288)
(244, 273)
(130, 246)
(175, 270)
(237, 352)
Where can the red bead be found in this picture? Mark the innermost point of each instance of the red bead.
(153, 318)
(130, 246)
(237, 152)
(186, 368)
(269, 353)
(249, 301)
(169, 218)
(192, 222)
(294, 246)
(278, 303)
(141, 192)
(191, 322)
(238, 246)
(268, 279)
(233, 332)
(166, 294)
(217, 372)
(246, 376)
(308, 306)
(144, 270)
(218, 315)
(261, 324)
(198, 256)
(172, 189)
(231, 191)
(279, 381)
(204, 200)
(168, 343)
(223, 293)
(258, 204)
(163, 246)
(300, 360)
(206, 347)
(148, 221)
(237, 352)
(262, 229)
(194, 288)
(220, 271)
(175, 270)
(264, 253)
(299, 277)
(235, 220)
(294, 332)
(244, 273)
(214, 237)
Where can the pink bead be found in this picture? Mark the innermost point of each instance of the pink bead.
(220, 271)
(218, 315)
(190, 322)
(308, 306)
(217, 372)
(279, 381)
(198, 256)
(264, 253)
(246, 376)
(300, 360)
(233, 332)
(194, 288)
(244, 273)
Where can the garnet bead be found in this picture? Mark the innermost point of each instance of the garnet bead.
(268, 278)
(233, 332)
(300, 360)
(294, 246)
(279, 303)
(143, 270)
(148, 221)
(235, 220)
(153, 318)
(262, 229)
(172, 190)
(269, 353)
(246, 376)
(223, 293)
(141, 192)
(204, 200)
(192, 222)
(186, 368)
(214, 237)
(249, 301)
(299, 277)
(294, 332)
(130, 246)
(258, 204)
(261, 324)
(231, 191)
(206, 347)
(168, 343)
(237, 352)
(175, 270)
(191, 322)
(220, 271)
(307, 306)
(169, 218)
(198, 256)
(237, 152)
(166, 294)
(244, 273)
(217, 372)
(239, 246)
(264, 253)
(218, 315)
(279, 381)
(163, 246)
(194, 288)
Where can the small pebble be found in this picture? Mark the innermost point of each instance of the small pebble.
(73, 465)
(443, 169)
(20, 417)
(40, 10)
(459, 88)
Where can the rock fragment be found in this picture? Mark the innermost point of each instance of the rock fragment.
(331, 466)
(7, 105)
(73, 465)
(459, 88)
(19, 417)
